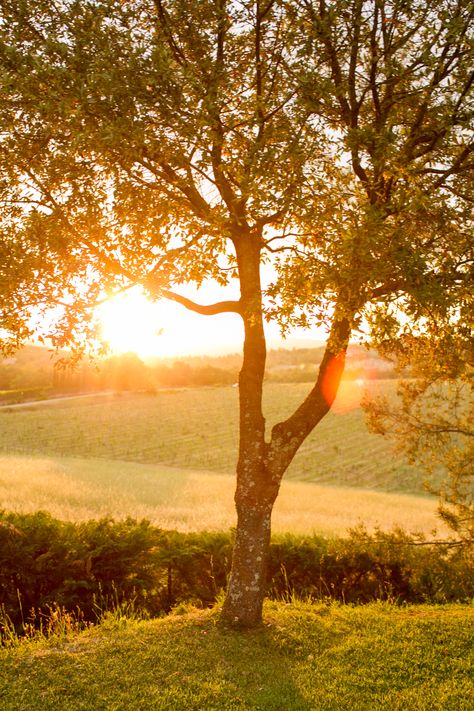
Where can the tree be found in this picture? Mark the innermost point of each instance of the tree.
(432, 421)
(162, 142)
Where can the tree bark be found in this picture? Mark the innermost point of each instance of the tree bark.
(261, 466)
(247, 583)
(255, 491)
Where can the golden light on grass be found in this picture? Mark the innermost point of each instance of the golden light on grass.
(186, 500)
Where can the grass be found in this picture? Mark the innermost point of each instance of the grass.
(197, 429)
(187, 500)
(170, 458)
(305, 658)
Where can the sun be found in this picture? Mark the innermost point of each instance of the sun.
(129, 322)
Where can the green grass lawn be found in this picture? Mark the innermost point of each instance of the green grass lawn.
(305, 658)
(197, 429)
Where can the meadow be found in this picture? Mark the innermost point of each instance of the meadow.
(170, 456)
(186, 500)
(305, 657)
(197, 429)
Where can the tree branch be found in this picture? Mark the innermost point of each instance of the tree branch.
(170, 40)
(112, 264)
(221, 307)
(199, 205)
(288, 436)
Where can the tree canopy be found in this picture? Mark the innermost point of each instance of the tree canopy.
(162, 143)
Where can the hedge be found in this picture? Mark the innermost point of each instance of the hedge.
(97, 565)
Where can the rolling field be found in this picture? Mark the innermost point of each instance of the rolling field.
(170, 458)
(197, 429)
(187, 500)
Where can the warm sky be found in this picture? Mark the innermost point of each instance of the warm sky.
(163, 329)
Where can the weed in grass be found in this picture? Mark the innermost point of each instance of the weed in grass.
(113, 609)
(55, 623)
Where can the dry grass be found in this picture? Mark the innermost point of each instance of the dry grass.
(187, 500)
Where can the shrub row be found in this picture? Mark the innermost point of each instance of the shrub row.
(98, 565)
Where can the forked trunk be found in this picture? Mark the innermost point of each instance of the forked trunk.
(261, 465)
(254, 495)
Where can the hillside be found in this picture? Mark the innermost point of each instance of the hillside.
(197, 429)
(375, 657)
(186, 500)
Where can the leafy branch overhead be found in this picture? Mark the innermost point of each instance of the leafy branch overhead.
(133, 130)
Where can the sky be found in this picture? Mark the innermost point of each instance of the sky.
(129, 322)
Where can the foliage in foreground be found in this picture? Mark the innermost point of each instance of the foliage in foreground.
(305, 657)
(433, 420)
(79, 571)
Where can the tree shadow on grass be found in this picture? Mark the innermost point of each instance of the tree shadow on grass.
(187, 663)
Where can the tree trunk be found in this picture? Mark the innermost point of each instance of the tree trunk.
(255, 492)
(244, 600)
(261, 465)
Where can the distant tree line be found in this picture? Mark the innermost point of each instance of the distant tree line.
(34, 372)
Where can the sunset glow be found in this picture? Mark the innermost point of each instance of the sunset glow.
(131, 323)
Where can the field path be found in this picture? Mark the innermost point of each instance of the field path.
(53, 400)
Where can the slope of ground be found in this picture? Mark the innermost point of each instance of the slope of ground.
(304, 658)
(198, 429)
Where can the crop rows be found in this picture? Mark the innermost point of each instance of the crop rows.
(197, 429)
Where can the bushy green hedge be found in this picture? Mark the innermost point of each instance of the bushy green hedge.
(99, 565)
(361, 568)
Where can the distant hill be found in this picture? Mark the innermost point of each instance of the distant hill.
(32, 374)
(30, 368)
